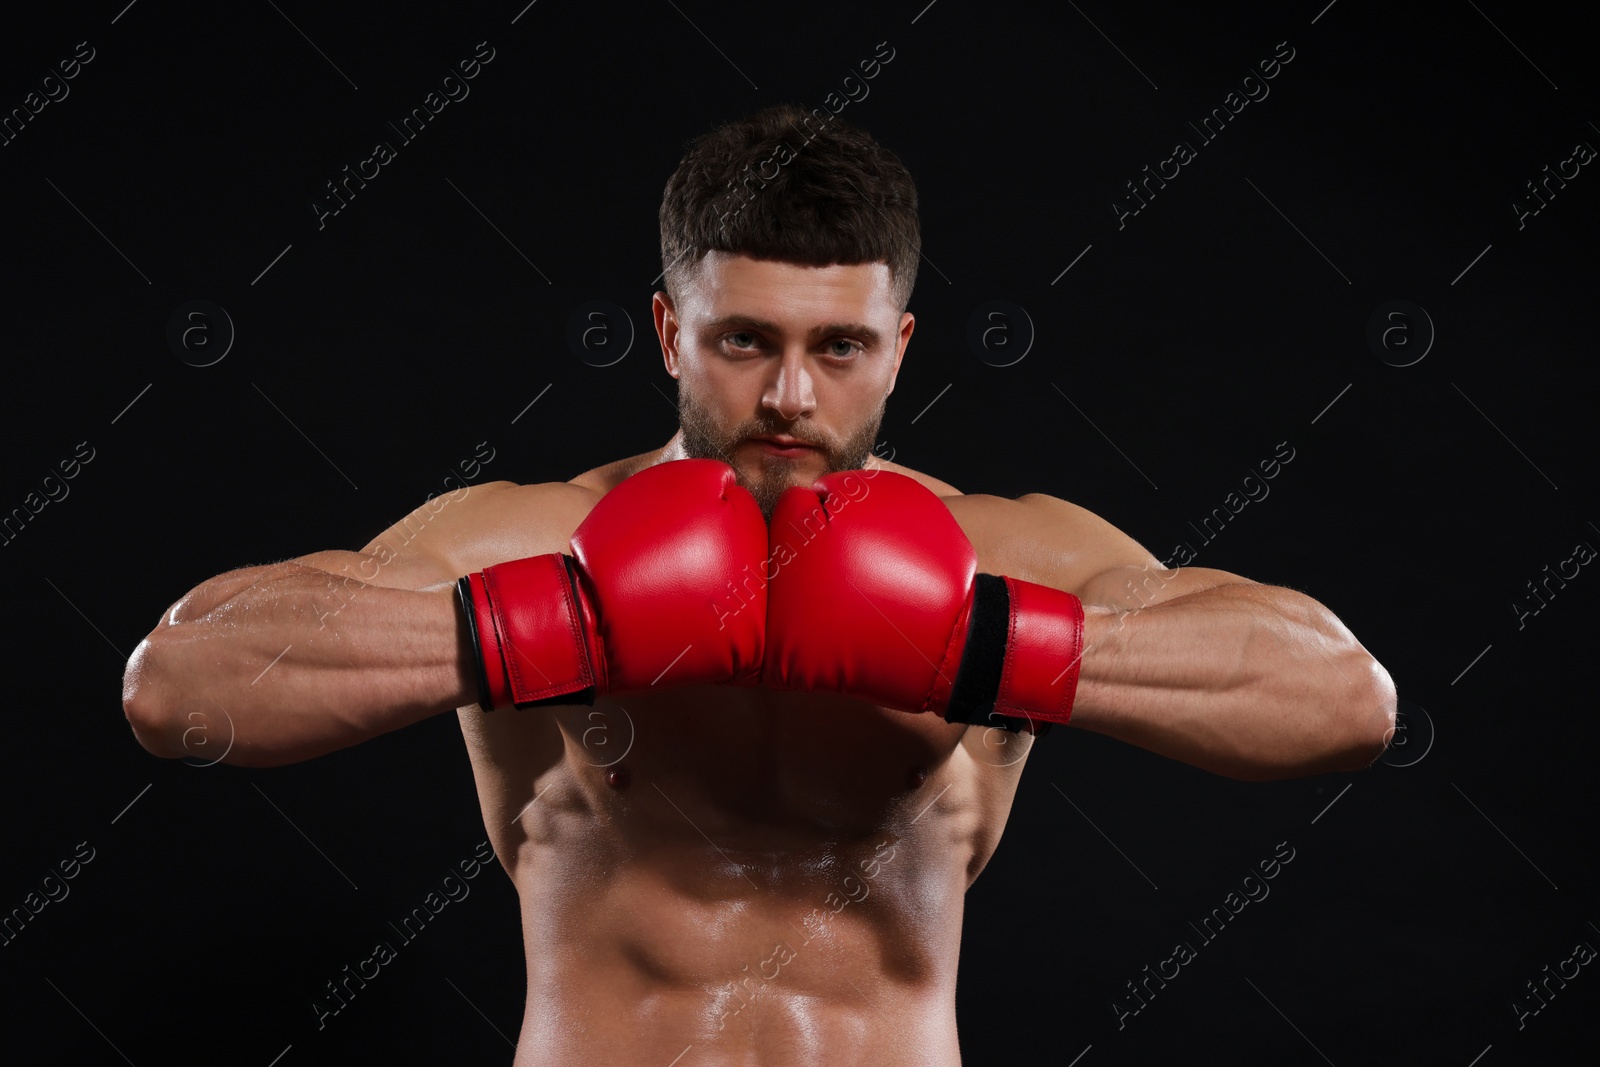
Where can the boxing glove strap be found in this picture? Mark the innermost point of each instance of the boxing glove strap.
(983, 655)
(467, 596)
(1044, 648)
(977, 684)
(529, 633)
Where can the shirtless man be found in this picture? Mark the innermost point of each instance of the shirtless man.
(736, 869)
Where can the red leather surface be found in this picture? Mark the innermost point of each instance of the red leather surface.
(1043, 649)
(862, 585)
(672, 561)
(658, 563)
(872, 575)
(535, 629)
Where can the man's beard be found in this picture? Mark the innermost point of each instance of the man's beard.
(703, 440)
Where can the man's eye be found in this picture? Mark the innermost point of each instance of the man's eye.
(742, 339)
(842, 348)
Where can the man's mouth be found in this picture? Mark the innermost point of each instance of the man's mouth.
(784, 445)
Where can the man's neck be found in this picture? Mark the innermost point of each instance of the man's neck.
(672, 450)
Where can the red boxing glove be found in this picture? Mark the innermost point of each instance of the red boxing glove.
(635, 604)
(876, 595)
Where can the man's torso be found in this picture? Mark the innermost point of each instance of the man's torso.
(755, 876)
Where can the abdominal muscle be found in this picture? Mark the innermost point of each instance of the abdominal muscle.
(739, 876)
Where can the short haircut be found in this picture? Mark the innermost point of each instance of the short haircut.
(788, 185)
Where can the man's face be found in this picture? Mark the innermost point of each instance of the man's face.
(803, 356)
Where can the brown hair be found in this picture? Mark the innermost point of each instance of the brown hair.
(784, 184)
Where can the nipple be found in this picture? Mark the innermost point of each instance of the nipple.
(618, 778)
(917, 777)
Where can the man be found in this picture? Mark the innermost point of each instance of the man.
(729, 855)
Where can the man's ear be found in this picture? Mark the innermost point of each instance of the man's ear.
(908, 322)
(666, 320)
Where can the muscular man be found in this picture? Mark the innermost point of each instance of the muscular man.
(724, 864)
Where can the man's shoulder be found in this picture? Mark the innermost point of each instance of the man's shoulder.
(579, 493)
(606, 477)
(549, 509)
(517, 500)
(487, 523)
(927, 481)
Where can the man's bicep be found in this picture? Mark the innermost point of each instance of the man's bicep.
(1105, 566)
(380, 568)
(466, 531)
(418, 552)
(418, 571)
(443, 539)
(1133, 587)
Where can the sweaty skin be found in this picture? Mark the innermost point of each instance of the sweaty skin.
(727, 875)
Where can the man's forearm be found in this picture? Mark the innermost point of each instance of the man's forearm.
(296, 663)
(1246, 680)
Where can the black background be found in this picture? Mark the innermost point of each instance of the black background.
(1224, 318)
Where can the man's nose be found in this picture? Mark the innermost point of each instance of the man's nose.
(790, 393)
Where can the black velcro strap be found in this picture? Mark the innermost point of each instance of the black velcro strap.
(464, 598)
(582, 696)
(983, 661)
(978, 678)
